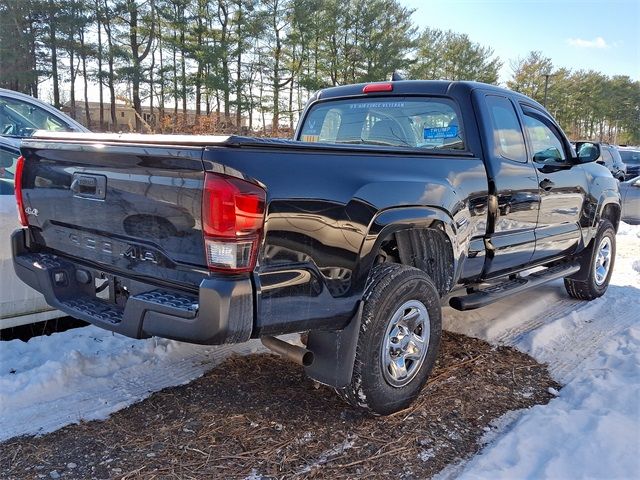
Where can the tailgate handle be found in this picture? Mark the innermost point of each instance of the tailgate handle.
(89, 186)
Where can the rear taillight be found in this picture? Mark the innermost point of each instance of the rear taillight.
(232, 222)
(22, 215)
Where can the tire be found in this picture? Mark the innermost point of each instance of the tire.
(400, 296)
(597, 279)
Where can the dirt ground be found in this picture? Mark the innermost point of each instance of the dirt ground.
(260, 417)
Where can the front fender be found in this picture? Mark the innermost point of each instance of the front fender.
(607, 197)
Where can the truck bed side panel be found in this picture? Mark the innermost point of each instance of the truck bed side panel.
(321, 203)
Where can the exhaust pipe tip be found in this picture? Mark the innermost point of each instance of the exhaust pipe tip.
(307, 358)
(295, 353)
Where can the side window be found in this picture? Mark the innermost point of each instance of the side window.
(606, 156)
(23, 118)
(507, 133)
(545, 144)
(8, 159)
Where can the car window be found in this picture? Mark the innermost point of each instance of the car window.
(617, 160)
(508, 139)
(631, 157)
(546, 146)
(21, 119)
(415, 122)
(8, 159)
(606, 156)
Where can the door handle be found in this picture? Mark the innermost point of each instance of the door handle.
(546, 184)
(89, 186)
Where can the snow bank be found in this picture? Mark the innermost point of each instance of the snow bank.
(592, 429)
(88, 373)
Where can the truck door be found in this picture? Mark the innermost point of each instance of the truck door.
(562, 185)
(513, 186)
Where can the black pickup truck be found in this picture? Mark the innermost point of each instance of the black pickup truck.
(393, 200)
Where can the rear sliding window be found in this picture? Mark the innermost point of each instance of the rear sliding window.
(424, 122)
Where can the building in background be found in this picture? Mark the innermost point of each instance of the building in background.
(126, 117)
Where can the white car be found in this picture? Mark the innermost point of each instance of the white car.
(20, 116)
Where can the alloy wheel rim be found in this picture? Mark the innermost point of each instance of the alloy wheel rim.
(602, 262)
(405, 343)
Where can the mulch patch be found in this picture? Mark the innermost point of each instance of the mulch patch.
(260, 417)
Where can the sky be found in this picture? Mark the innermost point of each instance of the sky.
(577, 34)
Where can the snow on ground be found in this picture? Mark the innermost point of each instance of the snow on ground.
(88, 373)
(592, 429)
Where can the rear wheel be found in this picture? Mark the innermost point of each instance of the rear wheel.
(398, 341)
(597, 263)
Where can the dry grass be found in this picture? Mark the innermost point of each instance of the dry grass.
(260, 416)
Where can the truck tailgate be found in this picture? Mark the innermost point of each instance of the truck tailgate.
(118, 206)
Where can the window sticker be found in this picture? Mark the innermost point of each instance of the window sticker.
(313, 126)
(311, 138)
(370, 105)
(433, 133)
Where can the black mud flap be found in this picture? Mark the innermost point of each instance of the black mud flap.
(334, 353)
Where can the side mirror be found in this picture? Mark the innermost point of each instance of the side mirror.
(587, 151)
(636, 183)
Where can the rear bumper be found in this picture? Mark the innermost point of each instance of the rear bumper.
(221, 313)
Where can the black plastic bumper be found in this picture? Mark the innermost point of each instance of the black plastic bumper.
(221, 313)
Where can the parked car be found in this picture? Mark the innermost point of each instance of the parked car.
(610, 158)
(631, 158)
(630, 193)
(20, 116)
(393, 199)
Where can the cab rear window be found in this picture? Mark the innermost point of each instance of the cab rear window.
(414, 122)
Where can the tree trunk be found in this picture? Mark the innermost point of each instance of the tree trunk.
(34, 60)
(135, 77)
(275, 123)
(239, 71)
(162, 77)
(198, 79)
(83, 56)
(175, 77)
(100, 83)
(291, 103)
(137, 57)
(54, 54)
(110, 60)
(72, 89)
(152, 67)
(223, 16)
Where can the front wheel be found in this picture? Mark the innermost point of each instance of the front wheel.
(398, 341)
(597, 263)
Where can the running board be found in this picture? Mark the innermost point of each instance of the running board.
(484, 296)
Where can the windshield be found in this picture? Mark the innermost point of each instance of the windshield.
(414, 122)
(631, 157)
(21, 119)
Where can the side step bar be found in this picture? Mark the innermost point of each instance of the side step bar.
(484, 296)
